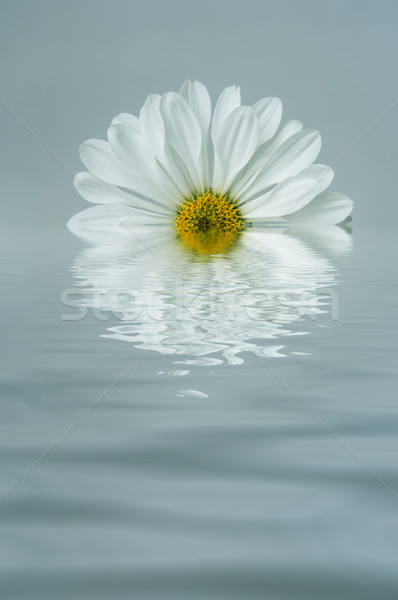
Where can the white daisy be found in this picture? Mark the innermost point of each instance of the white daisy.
(209, 176)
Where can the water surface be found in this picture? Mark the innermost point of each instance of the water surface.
(211, 429)
(151, 473)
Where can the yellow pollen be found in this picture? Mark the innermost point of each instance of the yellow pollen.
(208, 212)
(208, 222)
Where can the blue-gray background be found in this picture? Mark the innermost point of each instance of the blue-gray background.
(69, 67)
(246, 494)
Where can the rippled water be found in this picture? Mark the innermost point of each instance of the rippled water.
(184, 428)
(192, 453)
(170, 299)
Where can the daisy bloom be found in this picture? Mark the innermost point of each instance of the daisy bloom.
(210, 175)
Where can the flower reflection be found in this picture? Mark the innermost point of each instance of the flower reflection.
(208, 307)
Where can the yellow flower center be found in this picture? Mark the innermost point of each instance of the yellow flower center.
(208, 222)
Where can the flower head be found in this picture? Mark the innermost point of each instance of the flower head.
(210, 175)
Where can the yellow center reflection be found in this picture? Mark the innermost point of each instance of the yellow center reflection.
(209, 242)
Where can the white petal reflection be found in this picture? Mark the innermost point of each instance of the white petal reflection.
(211, 309)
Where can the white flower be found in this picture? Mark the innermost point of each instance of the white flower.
(210, 175)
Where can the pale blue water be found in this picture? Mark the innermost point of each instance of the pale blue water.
(212, 428)
(272, 478)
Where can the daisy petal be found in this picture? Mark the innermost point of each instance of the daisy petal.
(176, 170)
(99, 158)
(128, 120)
(106, 222)
(131, 148)
(257, 164)
(286, 131)
(182, 130)
(197, 96)
(135, 152)
(290, 195)
(237, 140)
(269, 113)
(96, 191)
(328, 208)
(154, 99)
(295, 154)
(323, 174)
(228, 101)
(152, 129)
